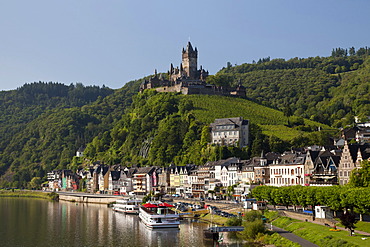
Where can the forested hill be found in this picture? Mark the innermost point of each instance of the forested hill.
(19, 107)
(43, 124)
(330, 90)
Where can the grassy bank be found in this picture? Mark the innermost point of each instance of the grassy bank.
(278, 241)
(360, 226)
(318, 234)
(267, 238)
(28, 193)
(214, 219)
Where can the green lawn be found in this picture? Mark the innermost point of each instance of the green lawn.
(320, 235)
(215, 219)
(361, 226)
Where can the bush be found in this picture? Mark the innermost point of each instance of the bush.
(53, 196)
(234, 222)
(253, 229)
(252, 216)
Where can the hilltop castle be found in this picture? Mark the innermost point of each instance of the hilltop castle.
(188, 79)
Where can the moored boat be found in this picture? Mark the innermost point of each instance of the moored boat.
(130, 206)
(159, 215)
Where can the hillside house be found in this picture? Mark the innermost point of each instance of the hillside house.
(230, 132)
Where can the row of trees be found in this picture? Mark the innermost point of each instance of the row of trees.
(341, 52)
(338, 198)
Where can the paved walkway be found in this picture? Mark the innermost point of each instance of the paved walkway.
(291, 236)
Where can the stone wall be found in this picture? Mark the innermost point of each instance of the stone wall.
(87, 199)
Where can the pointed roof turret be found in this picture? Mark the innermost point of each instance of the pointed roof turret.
(189, 47)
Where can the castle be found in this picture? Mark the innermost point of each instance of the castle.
(188, 79)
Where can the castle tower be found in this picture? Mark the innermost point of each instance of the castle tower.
(190, 61)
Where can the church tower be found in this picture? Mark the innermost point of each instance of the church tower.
(190, 61)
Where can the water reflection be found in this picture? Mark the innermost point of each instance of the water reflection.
(30, 222)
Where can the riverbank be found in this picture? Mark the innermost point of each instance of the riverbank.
(269, 238)
(316, 233)
(26, 193)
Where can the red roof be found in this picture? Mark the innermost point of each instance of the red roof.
(149, 205)
(163, 204)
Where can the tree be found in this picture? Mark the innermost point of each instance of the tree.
(348, 220)
(361, 177)
(352, 51)
(35, 183)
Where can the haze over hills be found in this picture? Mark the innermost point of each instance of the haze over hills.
(43, 124)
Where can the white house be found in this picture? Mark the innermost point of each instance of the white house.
(286, 174)
(230, 131)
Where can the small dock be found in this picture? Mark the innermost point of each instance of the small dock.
(226, 229)
(213, 232)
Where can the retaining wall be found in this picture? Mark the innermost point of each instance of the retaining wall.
(87, 199)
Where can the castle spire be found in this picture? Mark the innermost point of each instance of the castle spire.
(189, 48)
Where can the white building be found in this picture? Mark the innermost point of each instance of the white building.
(286, 174)
(230, 131)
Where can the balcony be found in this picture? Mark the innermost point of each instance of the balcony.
(322, 183)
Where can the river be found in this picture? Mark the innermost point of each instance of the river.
(37, 222)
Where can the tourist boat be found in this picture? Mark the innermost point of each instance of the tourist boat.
(159, 215)
(129, 206)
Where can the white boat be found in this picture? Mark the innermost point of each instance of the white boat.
(130, 206)
(159, 215)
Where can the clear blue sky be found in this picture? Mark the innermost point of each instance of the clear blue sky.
(111, 42)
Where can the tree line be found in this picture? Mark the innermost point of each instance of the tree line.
(351, 198)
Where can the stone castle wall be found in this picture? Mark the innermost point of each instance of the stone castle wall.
(193, 89)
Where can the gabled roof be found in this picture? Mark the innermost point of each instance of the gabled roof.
(364, 150)
(115, 175)
(326, 158)
(145, 170)
(235, 121)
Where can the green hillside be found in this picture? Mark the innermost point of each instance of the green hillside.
(330, 90)
(164, 128)
(272, 122)
(43, 124)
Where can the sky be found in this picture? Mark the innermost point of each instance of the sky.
(112, 42)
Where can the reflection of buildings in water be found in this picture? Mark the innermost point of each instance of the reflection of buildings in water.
(190, 232)
(122, 220)
(158, 237)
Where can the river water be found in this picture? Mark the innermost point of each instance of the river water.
(37, 222)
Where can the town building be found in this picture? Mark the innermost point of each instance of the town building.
(352, 156)
(287, 170)
(230, 132)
